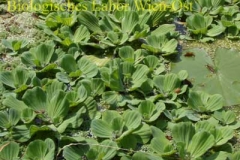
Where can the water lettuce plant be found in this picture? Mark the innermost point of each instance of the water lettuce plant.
(202, 25)
(15, 46)
(104, 86)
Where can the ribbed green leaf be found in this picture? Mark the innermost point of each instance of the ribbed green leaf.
(7, 78)
(27, 115)
(89, 20)
(14, 103)
(101, 129)
(110, 151)
(129, 21)
(58, 107)
(9, 151)
(200, 143)
(35, 98)
(183, 132)
(39, 149)
(132, 119)
(44, 53)
(88, 68)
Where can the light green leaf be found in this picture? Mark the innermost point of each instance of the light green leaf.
(132, 119)
(27, 115)
(44, 53)
(72, 121)
(164, 29)
(7, 78)
(143, 133)
(149, 111)
(183, 132)
(9, 151)
(36, 99)
(126, 53)
(101, 129)
(160, 144)
(110, 151)
(90, 21)
(139, 76)
(200, 143)
(129, 21)
(58, 107)
(81, 34)
(74, 152)
(151, 61)
(14, 103)
(88, 68)
(39, 149)
(203, 102)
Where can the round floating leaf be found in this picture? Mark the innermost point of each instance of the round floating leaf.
(215, 76)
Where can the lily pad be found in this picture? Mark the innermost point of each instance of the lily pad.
(219, 75)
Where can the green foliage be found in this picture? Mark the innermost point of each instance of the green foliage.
(100, 88)
(15, 46)
(9, 151)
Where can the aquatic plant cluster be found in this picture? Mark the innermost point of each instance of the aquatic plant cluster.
(113, 84)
